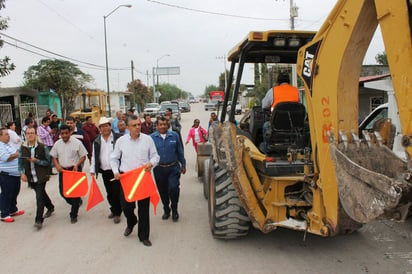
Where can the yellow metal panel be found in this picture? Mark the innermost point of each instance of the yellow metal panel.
(333, 97)
(393, 19)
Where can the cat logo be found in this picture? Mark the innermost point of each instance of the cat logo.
(308, 64)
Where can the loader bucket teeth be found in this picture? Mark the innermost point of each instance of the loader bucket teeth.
(370, 178)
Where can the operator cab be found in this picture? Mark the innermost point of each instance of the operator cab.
(288, 137)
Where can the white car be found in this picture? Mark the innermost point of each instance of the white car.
(152, 109)
(238, 109)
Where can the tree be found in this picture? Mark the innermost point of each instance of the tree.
(208, 89)
(141, 94)
(381, 58)
(261, 81)
(64, 77)
(171, 92)
(5, 66)
(222, 80)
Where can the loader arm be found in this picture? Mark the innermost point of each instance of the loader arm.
(330, 67)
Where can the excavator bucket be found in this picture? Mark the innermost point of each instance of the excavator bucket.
(371, 180)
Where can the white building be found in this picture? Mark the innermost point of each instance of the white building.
(119, 100)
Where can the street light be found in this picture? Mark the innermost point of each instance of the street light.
(157, 74)
(224, 64)
(105, 49)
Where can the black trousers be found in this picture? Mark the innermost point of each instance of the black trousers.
(143, 206)
(74, 202)
(168, 184)
(113, 192)
(42, 200)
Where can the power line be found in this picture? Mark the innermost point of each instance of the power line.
(216, 13)
(56, 54)
(50, 52)
(14, 45)
(65, 19)
(42, 55)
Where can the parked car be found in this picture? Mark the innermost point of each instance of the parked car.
(184, 106)
(175, 110)
(212, 105)
(238, 109)
(152, 109)
(192, 100)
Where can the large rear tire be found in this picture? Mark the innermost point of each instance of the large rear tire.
(208, 165)
(227, 218)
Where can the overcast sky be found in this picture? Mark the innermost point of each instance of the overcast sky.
(146, 32)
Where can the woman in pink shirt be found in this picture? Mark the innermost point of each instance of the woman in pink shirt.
(197, 134)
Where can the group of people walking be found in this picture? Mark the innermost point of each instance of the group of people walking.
(157, 146)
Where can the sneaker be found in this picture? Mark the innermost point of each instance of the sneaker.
(17, 213)
(7, 219)
(38, 225)
(48, 213)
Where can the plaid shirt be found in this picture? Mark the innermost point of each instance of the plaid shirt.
(44, 135)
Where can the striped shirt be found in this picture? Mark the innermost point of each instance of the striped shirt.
(10, 167)
(44, 135)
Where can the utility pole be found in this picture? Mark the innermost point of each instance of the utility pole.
(224, 65)
(147, 78)
(154, 85)
(133, 87)
(293, 13)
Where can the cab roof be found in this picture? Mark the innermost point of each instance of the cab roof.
(273, 46)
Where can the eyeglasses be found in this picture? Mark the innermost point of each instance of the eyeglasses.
(135, 125)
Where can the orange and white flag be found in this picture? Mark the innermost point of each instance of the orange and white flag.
(75, 184)
(138, 184)
(95, 196)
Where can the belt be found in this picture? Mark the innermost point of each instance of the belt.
(169, 164)
(4, 173)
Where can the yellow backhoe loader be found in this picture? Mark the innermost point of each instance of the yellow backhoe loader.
(90, 103)
(315, 174)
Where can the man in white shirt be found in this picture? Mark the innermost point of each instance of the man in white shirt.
(68, 154)
(103, 146)
(131, 151)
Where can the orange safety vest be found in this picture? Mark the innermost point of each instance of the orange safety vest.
(284, 93)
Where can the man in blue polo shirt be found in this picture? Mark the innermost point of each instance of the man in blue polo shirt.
(172, 163)
(9, 179)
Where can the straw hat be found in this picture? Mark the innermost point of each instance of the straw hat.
(104, 120)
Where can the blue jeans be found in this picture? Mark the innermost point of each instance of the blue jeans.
(168, 184)
(10, 188)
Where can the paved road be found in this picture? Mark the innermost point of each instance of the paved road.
(96, 245)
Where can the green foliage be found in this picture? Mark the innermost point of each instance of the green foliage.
(261, 82)
(210, 88)
(141, 94)
(64, 77)
(222, 80)
(5, 65)
(171, 92)
(381, 58)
